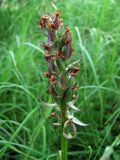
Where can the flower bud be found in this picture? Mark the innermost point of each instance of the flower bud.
(53, 114)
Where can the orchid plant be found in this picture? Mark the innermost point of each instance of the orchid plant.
(61, 75)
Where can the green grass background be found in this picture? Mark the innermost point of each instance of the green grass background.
(25, 124)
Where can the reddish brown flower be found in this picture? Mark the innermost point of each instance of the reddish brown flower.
(54, 57)
(75, 70)
(68, 37)
(51, 26)
(74, 87)
(53, 79)
(45, 18)
(47, 74)
(47, 47)
(43, 21)
(49, 57)
(68, 41)
(56, 22)
(59, 54)
(41, 24)
(53, 114)
(67, 30)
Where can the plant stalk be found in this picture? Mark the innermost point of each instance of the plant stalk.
(64, 143)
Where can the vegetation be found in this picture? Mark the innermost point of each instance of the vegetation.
(26, 132)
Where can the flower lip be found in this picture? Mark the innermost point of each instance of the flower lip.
(47, 47)
(75, 70)
(53, 79)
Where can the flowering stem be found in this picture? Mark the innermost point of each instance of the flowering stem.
(64, 145)
(63, 88)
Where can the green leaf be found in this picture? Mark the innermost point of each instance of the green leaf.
(116, 141)
(77, 121)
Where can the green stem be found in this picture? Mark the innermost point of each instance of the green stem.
(64, 146)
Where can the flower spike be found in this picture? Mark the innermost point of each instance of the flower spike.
(61, 74)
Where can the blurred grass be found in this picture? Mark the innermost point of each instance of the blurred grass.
(25, 126)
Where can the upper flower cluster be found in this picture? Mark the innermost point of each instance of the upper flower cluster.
(58, 49)
(63, 88)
